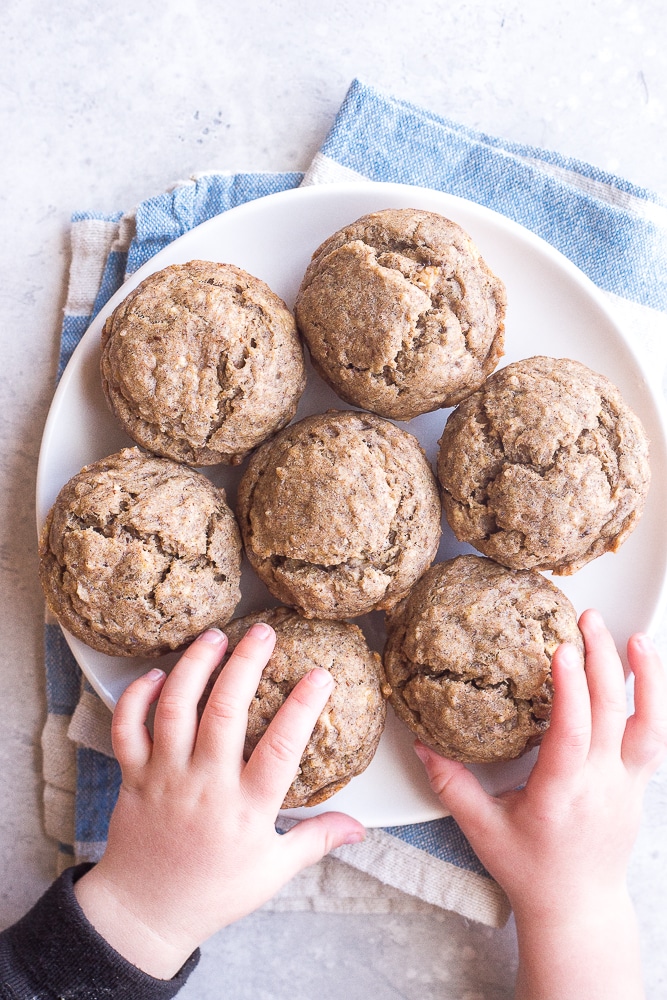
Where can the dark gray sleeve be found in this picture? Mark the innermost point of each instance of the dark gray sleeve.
(54, 952)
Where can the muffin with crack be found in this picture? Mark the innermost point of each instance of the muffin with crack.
(401, 314)
(201, 363)
(468, 658)
(138, 555)
(347, 733)
(544, 467)
(340, 514)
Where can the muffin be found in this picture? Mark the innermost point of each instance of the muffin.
(348, 731)
(401, 314)
(468, 658)
(139, 554)
(544, 467)
(201, 363)
(340, 514)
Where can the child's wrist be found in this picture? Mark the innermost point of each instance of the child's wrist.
(585, 914)
(590, 949)
(128, 933)
(581, 905)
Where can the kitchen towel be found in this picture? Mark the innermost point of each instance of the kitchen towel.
(614, 231)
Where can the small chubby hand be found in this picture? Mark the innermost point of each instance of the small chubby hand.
(571, 828)
(560, 846)
(192, 841)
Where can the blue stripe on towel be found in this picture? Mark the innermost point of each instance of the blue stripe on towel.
(621, 250)
(98, 783)
(63, 677)
(167, 216)
(442, 838)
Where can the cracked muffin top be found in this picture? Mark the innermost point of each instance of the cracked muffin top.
(347, 733)
(139, 555)
(340, 514)
(401, 314)
(201, 363)
(468, 658)
(544, 467)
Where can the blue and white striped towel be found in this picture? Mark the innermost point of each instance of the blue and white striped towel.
(614, 231)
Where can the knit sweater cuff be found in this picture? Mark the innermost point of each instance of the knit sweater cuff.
(57, 952)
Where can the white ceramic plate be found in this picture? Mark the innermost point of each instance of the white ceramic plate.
(553, 309)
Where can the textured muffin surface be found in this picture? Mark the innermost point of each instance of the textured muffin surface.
(348, 731)
(468, 658)
(544, 467)
(340, 514)
(401, 314)
(201, 362)
(139, 554)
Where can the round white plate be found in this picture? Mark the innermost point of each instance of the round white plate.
(553, 309)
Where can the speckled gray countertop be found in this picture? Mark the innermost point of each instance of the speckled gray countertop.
(103, 105)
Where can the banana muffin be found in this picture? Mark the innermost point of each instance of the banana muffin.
(348, 731)
(340, 514)
(201, 363)
(139, 554)
(401, 314)
(468, 658)
(544, 467)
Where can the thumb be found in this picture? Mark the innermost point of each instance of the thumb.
(311, 839)
(458, 790)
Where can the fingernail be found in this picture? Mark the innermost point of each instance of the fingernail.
(355, 837)
(155, 674)
(422, 752)
(260, 631)
(320, 677)
(645, 642)
(212, 635)
(569, 656)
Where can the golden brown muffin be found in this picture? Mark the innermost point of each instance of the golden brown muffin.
(201, 363)
(401, 314)
(340, 514)
(139, 555)
(468, 658)
(544, 467)
(348, 731)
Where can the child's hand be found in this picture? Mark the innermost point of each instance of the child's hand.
(192, 843)
(560, 846)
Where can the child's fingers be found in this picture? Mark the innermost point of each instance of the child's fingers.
(606, 685)
(645, 740)
(175, 725)
(566, 743)
(459, 791)
(224, 721)
(275, 760)
(308, 841)
(131, 740)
